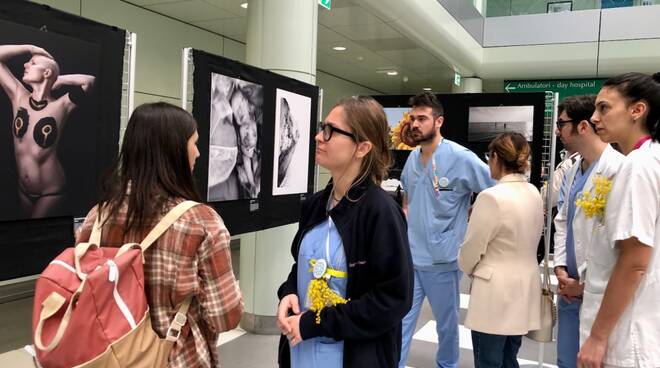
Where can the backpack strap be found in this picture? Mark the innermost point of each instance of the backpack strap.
(49, 307)
(180, 319)
(158, 230)
(95, 237)
(168, 220)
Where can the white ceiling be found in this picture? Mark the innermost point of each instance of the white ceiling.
(372, 46)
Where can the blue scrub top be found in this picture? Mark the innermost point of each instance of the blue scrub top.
(437, 220)
(322, 352)
(578, 184)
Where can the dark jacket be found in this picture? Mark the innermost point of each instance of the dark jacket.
(380, 280)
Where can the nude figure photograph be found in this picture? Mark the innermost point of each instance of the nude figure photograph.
(234, 144)
(39, 95)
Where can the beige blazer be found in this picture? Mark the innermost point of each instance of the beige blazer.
(499, 253)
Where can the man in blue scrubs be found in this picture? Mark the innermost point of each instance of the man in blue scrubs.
(438, 180)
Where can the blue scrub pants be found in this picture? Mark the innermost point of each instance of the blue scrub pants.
(568, 332)
(441, 288)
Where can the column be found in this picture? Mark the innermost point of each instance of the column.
(281, 37)
(468, 85)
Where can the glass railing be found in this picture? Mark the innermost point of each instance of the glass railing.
(500, 8)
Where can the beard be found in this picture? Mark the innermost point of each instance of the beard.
(420, 137)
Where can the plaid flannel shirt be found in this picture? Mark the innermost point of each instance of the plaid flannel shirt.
(191, 258)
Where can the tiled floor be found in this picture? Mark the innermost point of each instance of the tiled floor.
(239, 349)
(259, 351)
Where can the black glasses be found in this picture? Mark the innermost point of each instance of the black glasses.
(560, 123)
(328, 129)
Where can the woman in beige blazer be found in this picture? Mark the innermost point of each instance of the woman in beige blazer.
(499, 255)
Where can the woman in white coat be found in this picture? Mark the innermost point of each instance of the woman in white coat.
(499, 254)
(620, 322)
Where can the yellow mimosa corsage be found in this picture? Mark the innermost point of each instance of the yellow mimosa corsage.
(594, 204)
(319, 293)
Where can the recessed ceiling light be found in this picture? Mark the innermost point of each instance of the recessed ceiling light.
(392, 72)
(427, 88)
(244, 5)
(339, 48)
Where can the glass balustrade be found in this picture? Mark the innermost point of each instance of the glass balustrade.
(500, 8)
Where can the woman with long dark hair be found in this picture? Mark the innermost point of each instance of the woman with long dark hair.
(619, 320)
(351, 281)
(153, 174)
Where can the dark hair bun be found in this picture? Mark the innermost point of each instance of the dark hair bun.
(656, 77)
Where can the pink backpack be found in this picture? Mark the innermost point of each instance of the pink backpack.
(90, 307)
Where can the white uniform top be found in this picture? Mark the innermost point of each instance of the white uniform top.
(633, 210)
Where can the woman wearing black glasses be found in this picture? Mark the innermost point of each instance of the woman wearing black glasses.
(351, 281)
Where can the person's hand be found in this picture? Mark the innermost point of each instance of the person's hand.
(572, 288)
(294, 336)
(569, 288)
(35, 50)
(287, 304)
(592, 353)
(562, 276)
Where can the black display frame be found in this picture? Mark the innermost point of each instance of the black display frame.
(29, 245)
(268, 210)
(457, 109)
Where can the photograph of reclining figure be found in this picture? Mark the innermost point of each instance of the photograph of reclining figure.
(235, 143)
(292, 140)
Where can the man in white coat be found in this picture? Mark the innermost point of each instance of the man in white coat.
(575, 230)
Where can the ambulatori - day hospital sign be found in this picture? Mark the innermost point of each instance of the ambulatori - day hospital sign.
(565, 88)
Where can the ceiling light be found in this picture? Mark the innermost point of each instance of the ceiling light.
(392, 72)
(360, 58)
(339, 48)
(427, 88)
(244, 5)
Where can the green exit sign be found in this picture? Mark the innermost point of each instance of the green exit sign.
(326, 3)
(565, 87)
(457, 79)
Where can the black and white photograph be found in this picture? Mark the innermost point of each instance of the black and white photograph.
(486, 122)
(235, 139)
(48, 103)
(291, 158)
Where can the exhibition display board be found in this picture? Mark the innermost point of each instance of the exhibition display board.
(256, 142)
(61, 127)
(474, 119)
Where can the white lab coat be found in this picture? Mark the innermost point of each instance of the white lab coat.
(586, 231)
(633, 210)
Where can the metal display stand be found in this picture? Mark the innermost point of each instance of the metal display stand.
(187, 67)
(548, 162)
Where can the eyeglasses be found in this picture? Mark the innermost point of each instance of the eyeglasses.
(560, 123)
(328, 129)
